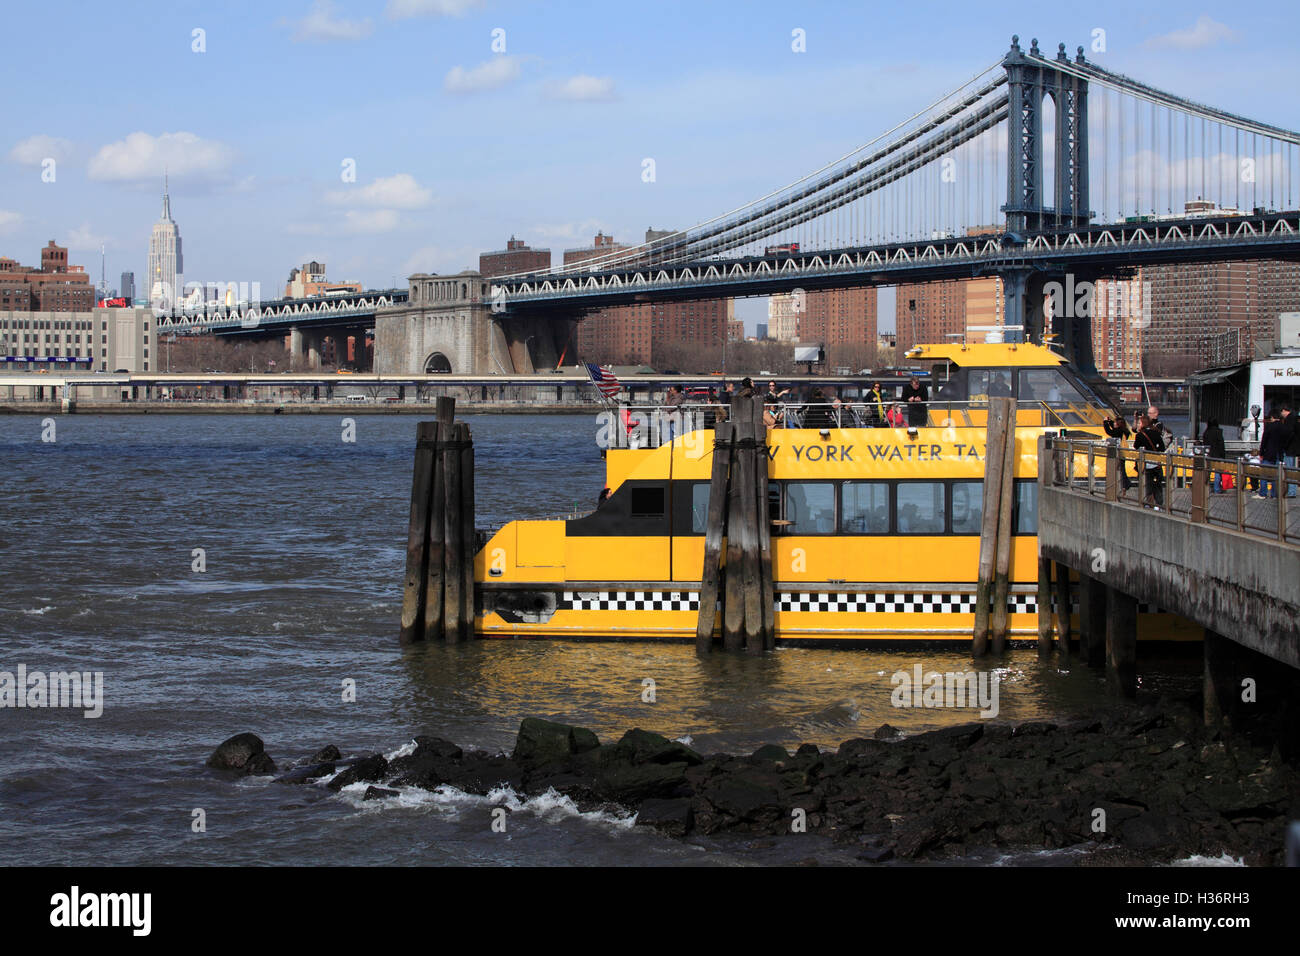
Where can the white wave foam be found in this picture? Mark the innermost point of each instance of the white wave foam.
(403, 751)
(550, 806)
(40, 610)
(1222, 860)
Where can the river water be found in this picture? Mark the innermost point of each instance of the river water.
(303, 543)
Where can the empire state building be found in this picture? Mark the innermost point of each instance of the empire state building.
(165, 265)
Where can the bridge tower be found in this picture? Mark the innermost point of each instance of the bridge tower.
(1034, 85)
(1031, 79)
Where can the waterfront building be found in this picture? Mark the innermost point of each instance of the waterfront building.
(54, 287)
(930, 312)
(310, 280)
(93, 339)
(166, 265)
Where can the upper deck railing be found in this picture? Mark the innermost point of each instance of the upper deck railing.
(650, 426)
(1240, 494)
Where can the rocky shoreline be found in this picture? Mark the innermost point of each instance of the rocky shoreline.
(1150, 786)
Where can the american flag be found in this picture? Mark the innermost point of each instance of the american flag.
(603, 377)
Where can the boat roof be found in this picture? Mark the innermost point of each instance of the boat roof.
(988, 354)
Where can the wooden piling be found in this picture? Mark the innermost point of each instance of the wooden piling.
(713, 529)
(1044, 608)
(733, 604)
(454, 540)
(1121, 641)
(435, 587)
(1092, 620)
(994, 452)
(469, 542)
(764, 529)
(417, 535)
(747, 448)
(1002, 557)
(1063, 607)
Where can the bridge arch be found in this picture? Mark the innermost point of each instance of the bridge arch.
(436, 363)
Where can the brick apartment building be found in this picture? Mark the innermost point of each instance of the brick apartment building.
(54, 287)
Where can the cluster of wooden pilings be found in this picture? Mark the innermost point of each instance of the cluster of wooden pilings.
(438, 600)
(994, 582)
(738, 512)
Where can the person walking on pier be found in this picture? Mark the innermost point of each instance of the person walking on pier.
(1149, 439)
(1271, 449)
(1213, 437)
(1291, 450)
(1118, 428)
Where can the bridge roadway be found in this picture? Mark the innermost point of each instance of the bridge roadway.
(1229, 563)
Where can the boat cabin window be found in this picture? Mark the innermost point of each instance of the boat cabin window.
(864, 507)
(649, 502)
(967, 506)
(922, 508)
(699, 508)
(1048, 385)
(1026, 510)
(810, 507)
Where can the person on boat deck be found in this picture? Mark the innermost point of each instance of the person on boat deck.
(604, 496)
(915, 395)
(875, 405)
(1118, 428)
(817, 414)
(673, 411)
(837, 407)
(773, 394)
(714, 411)
(1000, 385)
(1213, 437)
(746, 389)
(1149, 439)
(895, 417)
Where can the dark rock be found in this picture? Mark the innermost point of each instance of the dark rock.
(327, 754)
(672, 816)
(876, 854)
(368, 769)
(641, 746)
(244, 753)
(306, 773)
(808, 750)
(961, 735)
(379, 793)
(886, 732)
(437, 747)
(771, 752)
(480, 772)
(543, 741)
(632, 783)
(859, 747)
(1033, 728)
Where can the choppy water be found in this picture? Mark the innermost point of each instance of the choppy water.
(304, 543)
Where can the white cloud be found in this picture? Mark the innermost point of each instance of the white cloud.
(1205, 32)
(444, 260)
(321, 25)
(370, 221)
(404, 9)
(584, 230)
(34, 150)
(9, 220)
(584, 88)
(83, 237)
(488, 75)
(141, 156)
(400, 191)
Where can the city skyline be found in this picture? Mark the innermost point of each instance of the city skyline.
(281, 158)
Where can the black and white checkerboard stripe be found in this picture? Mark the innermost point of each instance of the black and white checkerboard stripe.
(630, 601)
(857, 602)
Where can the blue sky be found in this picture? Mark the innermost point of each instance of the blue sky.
(457, 146)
